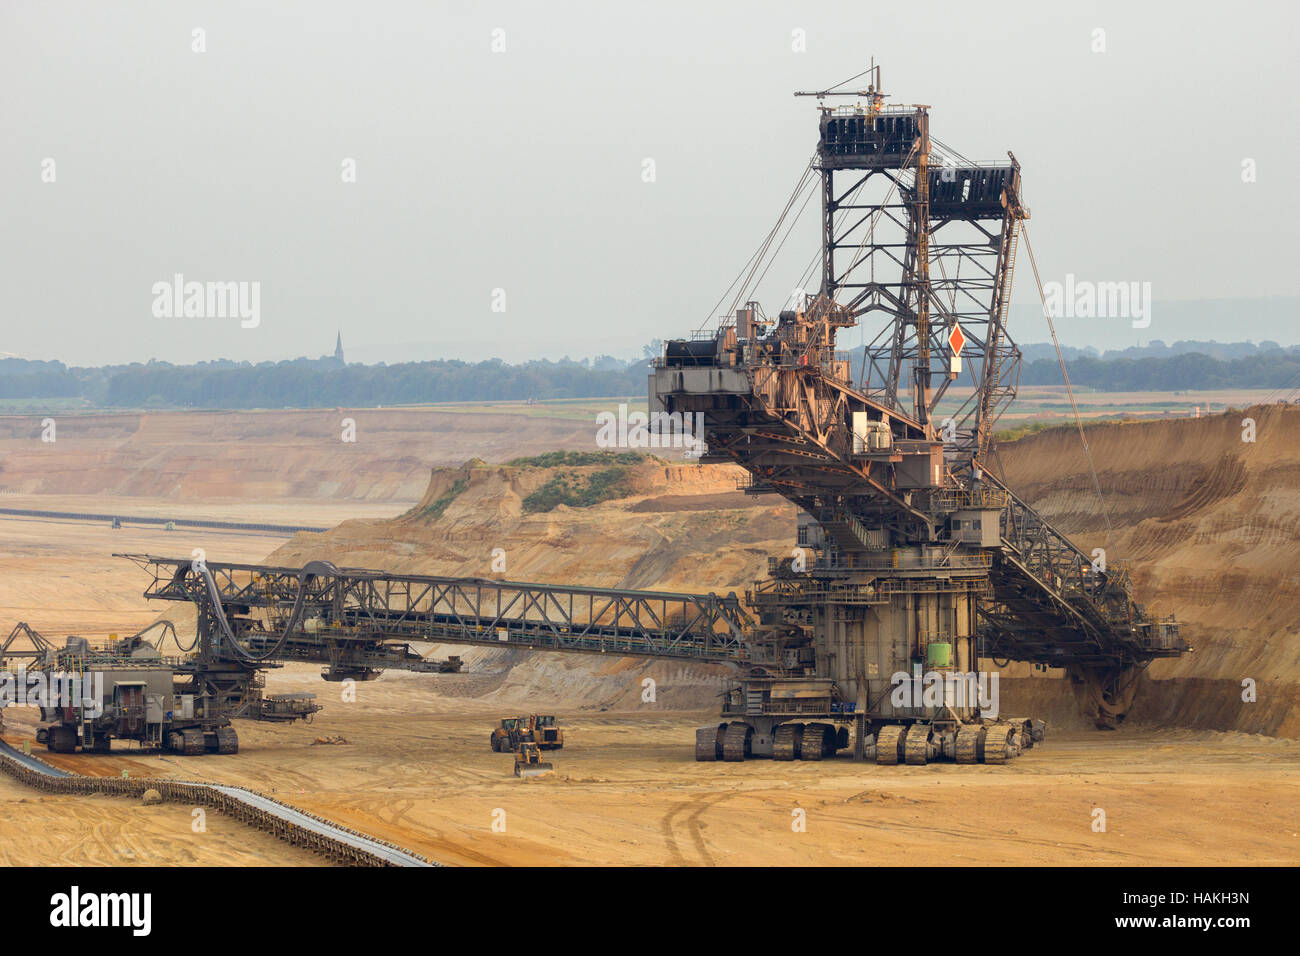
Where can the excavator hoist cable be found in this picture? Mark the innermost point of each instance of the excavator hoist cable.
(808, 178)
(751, 265)
(1078, 422)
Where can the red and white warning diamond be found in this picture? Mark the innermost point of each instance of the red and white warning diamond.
(956, 339)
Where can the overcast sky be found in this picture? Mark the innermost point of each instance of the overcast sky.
(522, 170)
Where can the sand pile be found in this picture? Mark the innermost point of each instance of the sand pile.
(656, 536)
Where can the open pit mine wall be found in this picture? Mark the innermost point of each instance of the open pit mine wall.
(1209, 523)
(264, 455)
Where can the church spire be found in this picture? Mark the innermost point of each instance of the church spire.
(338, 347)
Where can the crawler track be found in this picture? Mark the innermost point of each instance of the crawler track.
(248, 806)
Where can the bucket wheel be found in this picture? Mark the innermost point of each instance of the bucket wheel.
(1106, 694)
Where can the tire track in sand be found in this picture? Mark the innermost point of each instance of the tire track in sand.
(693, 827)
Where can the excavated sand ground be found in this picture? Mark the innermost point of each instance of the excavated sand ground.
(1210, 525)
(417, 770)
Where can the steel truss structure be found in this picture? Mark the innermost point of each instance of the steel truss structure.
(924, 241)
(359, 622)
(931, 242)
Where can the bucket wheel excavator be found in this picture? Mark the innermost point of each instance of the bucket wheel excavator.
(916, 566)
(915, 561)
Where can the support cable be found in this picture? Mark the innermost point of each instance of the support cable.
(807, 177)
(1069, 390)
(752, 263)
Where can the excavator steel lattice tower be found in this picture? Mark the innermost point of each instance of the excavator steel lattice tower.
(913, 558)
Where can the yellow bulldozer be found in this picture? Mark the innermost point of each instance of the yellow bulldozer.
(527, 737)
(529, 763)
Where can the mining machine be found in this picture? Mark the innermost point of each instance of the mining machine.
(529, 762)
(546, 731)
(126, 689)
(914, 558)
(913, 554)
(509, 734)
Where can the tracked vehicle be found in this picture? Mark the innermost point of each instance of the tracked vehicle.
(126, 690)
(915, 566)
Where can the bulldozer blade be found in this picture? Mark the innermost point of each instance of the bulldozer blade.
(533, 770)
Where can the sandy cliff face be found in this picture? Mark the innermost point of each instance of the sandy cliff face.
(680, 527)
(1209, 524)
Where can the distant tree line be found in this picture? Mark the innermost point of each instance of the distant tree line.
(1156, 348)
(320, 383)
(1276, 369)
(22, 379)
(1174, 371)
(307, 383)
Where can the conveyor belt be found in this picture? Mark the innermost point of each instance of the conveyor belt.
(31, 763)
(288, 823)
(395, 856)
(353, 611)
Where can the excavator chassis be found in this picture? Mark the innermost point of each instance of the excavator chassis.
(914, 743)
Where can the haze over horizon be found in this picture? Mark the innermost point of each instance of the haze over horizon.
(522, 170)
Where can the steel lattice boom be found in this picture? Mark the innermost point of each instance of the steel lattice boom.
(358, 620)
